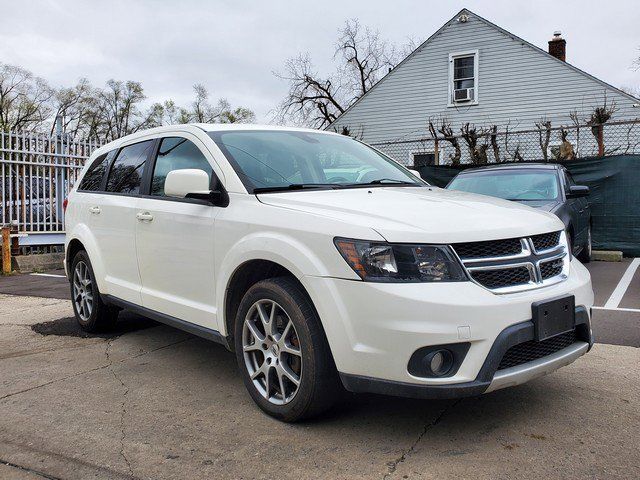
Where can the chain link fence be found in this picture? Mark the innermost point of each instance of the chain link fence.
(482, 145)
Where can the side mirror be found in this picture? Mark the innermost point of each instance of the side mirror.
(180, 183)
(194, 183)
(415, 172)
(577, 191)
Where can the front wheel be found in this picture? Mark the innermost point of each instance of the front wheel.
(282, 351)
(585, 254)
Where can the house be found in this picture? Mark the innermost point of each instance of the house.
(471, 71)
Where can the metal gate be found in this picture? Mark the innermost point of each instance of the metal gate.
(37, 172)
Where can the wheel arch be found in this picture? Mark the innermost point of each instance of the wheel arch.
(82, 239)
(242, 279)
(73, 248)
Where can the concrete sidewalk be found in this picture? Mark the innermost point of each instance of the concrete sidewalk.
(155, 402)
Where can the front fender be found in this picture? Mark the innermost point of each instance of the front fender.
(300, 259)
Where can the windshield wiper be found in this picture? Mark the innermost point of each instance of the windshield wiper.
(385, 181)
(391, 180)
(295, 186)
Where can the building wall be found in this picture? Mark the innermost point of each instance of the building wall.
(518, 84)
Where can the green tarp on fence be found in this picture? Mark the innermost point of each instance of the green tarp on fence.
(615, 197)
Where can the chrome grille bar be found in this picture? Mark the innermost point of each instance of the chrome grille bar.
(528, 257)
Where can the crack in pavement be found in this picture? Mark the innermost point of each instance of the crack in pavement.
(52, 458)
(28, 470)
(102, 367)
(123, 409)
(393, 465)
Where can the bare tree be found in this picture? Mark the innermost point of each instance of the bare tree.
(601, 115)
(565, 152)
(513, 155)
(222, 112)
(311, 100)
(365, 55)
(118, 109)
(493, 137)
(444, 128)
(544, 136)
(73, 106)
(24, 99)
(119, 104)
(173, 114)
(575, 119)
(362, 58)
(471, 135)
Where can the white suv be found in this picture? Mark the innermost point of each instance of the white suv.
(323, 264)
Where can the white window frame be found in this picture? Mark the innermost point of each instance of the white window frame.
(452, 56)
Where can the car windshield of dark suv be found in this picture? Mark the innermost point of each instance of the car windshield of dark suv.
(519, 185)
(291, 160)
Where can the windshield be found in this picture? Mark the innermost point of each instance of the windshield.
(522, 185)
(279, 160)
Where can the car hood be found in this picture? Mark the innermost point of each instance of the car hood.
(420, 214)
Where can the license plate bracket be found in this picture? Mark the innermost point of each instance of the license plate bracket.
(553, 317)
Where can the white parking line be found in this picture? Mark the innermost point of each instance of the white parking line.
(48, 275)
(623, 284)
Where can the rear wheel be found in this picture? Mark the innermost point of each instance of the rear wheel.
(282, 351)
(91, 312)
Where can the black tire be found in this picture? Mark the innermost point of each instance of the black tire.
(102, 317)
(585, 253)
(319, 385)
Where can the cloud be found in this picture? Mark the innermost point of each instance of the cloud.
(233, 46)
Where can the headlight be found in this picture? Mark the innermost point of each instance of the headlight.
(384, 262)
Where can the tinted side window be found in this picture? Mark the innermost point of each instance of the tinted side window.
(176, 153)
(92, 180)
(126, 172)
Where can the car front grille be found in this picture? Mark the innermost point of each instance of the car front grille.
(532, 350)
(516, 264)
(545, 241)
(503, 277)
(496, 248)
(551, 269)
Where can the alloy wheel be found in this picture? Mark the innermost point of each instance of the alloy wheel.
(82, 291)
(271, 350)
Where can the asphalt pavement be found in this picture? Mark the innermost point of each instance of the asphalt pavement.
(150, 401)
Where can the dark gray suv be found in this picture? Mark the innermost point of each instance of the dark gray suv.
(545, 186)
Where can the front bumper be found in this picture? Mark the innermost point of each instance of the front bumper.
(373, 329)
(489, 378)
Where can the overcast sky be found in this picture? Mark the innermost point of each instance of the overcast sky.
(233, 46)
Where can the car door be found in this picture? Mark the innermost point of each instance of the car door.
(89, 192)
(174, 238)
(114, 221)
(577, 209)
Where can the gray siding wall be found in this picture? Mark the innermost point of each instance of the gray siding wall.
(518, 85)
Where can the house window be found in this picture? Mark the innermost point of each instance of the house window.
(423, 159)
(463, 78)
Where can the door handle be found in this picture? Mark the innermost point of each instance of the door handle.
(94, 210)
(144, 217)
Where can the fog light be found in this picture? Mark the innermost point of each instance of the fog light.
(439, 362)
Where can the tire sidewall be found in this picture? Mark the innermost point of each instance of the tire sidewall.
(268, 290)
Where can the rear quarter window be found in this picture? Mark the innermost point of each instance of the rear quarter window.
(126, 172)
(92, 180)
